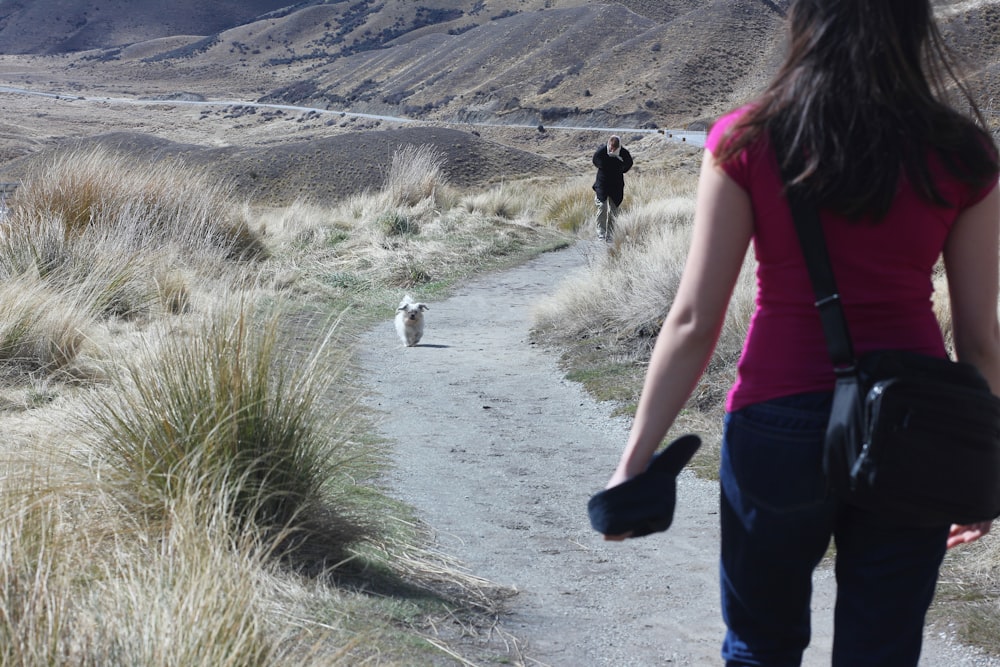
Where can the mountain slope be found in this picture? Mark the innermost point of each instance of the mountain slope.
(322, 169)
(60, 26)
(632, 63)
(636, 63)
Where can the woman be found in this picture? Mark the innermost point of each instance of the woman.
(856, 117)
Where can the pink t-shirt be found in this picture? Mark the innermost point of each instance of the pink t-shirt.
(883, 273)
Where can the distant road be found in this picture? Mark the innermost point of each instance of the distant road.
(696, 138)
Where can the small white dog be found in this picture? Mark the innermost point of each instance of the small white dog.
(410, 321)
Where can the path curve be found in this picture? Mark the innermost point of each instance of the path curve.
(499, 453)
(694, 137)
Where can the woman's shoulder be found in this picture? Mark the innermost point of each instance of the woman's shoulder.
(722, 128)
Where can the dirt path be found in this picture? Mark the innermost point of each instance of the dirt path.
(499, 454)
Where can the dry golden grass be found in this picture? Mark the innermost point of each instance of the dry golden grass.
(626, 292)
(384, 240)
(176, 205)
(202, 496)
(621, 300)
(83, 583)
(608, 317)
(414, 174)
(131, 358)
(570, 206)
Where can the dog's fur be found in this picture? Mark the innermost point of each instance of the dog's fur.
(410, 321)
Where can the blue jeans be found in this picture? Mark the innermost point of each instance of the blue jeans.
(777, 522)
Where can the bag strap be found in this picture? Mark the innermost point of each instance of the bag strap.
(831, 311)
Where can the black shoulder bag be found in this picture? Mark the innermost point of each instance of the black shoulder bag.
(913, 437)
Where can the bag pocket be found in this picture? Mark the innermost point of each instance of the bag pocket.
(933, 448)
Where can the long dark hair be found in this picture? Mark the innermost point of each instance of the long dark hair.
(860, 101)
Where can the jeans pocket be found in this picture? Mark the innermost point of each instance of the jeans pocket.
(772, 457)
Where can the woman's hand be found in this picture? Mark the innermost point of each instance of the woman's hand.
(968, 533)
(617, 478)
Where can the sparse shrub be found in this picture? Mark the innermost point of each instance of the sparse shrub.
(159, 202)
(552, 114)
(228, 412)
(40, 329)
(396, 223)
(550, 83)
(414, 174)
(570, 207)
(503, 201)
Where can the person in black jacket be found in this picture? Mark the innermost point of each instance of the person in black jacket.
(612, 161)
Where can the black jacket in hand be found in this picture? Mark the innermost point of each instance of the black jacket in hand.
(611, 174)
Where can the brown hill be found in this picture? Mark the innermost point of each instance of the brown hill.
(325, 169)
(636, 63)
(550, 63)
(60, 26)
(633, 63)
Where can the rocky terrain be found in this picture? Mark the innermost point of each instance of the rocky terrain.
(533, 66)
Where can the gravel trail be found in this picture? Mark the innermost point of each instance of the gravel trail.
(499, 453)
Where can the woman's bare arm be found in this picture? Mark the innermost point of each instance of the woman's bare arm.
(971, 258)
(723, 226)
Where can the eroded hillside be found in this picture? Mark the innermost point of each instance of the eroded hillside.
(520, 64)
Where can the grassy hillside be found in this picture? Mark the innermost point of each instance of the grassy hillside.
(537, 61)
(189, 468)
(59, 26)
(634, 63)
(321, 170)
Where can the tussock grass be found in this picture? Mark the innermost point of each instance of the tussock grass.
(173, 204)
(570, 206)
(414, 174)
(211, 502)
(626, 292)
(77, 591)
(41, 329)
(380, 239)
(507, 201)
(209, 505)
(115, 240)
(225, 411)
(192, 568)
(35, 602)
